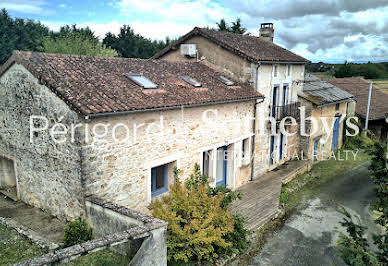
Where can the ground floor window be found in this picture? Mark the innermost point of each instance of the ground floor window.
(207, 163)
(159, 180)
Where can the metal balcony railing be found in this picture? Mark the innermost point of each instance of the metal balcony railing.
(280, 112)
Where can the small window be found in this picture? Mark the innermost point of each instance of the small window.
(337, 106)
(191, 81)
(245, 151)
(159, 180)
(226, 81)
(275, 70)
(288, 70)
(207, 163)
(142, 81)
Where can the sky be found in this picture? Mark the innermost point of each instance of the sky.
(331, 31)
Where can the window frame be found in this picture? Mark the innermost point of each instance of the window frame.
(156, 192)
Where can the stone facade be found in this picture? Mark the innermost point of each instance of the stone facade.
(263, 78)
(328, 112)
(120, 170)
(48, 175)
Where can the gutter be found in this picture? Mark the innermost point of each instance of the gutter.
(336, 102)
(254, 121)
(169, 108)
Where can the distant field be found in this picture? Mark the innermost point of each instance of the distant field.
(381, 83)
(323, 75)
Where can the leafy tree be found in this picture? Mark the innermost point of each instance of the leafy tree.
(19, 34)
(132, 45)
(345, 70)
(76, 44)
(200, 227)
(354, 249)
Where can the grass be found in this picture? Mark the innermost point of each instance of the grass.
(381, 83)
(15, 247)
(100, 258)
(294, 193)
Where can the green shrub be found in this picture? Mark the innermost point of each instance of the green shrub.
(77, 232)
(283, 195)
(200, 227)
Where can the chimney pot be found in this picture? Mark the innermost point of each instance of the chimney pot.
(267, 31)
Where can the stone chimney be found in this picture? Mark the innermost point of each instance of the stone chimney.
(267, 31)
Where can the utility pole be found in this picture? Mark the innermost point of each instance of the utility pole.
(368, 107)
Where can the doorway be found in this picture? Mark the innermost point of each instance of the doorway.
(8, 177)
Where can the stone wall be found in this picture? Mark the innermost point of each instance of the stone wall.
(218, 57)
(48, 175)
(329, 112)
(143, 237)
(120, 171)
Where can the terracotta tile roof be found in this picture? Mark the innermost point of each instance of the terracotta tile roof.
(320, 92)
(249, 47)
(93, 85)
(359, 87)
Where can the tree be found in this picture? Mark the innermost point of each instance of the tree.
(235, 28)
(200, 226)
(19, 34)
(345, 70)
(132, 45)
(223, 26)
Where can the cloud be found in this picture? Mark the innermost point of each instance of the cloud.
(299, 8)
(24, 6)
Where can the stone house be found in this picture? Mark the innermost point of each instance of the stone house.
(323, 102)
(74, 126)
(378, 113)
(270, 69)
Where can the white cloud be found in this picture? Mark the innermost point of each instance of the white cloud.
(24, 6)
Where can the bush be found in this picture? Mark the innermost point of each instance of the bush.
(200, 227)
(77, 232)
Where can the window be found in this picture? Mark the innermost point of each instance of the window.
(245, 151)
(337, 106)
(288, 70)
(191, 81)
(207, 163)
(159, 180)
(142, 81)
(275, 70)
(226, 81)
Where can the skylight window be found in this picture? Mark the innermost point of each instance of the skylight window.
(142, 81)
(191, 81)
(226, 81)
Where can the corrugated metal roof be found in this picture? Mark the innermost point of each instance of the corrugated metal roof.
(320, 92)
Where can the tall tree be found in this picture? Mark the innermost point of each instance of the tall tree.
(235, 28)
(19, 34)
(132, 45)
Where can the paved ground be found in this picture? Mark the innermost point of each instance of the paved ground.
(41, 223)
(260, 198)
(308, 236)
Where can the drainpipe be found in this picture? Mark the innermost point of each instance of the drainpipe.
(254, 121)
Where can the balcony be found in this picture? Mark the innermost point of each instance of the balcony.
(280, 112)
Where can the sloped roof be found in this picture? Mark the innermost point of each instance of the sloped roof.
(96, 85)
(249, 47)
(359, 87)
(320, 92)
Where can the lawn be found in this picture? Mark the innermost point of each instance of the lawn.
(381, 83)
(14, 248)
(302, 188)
